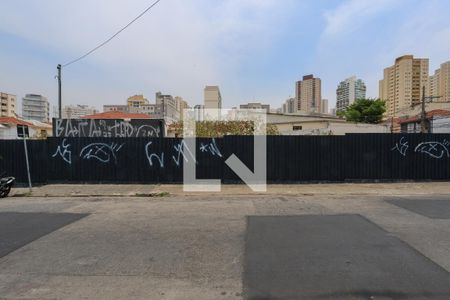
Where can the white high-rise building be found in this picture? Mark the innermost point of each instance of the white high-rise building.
(324, 106)
(77, 111)
(35, 107)
(199, 112)
(289, 106)
(348, 91)
(166, 107)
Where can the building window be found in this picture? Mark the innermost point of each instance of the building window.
(20, 130)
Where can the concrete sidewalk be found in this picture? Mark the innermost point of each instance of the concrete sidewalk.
(149, 190)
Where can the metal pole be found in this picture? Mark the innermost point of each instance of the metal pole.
(423, 128)
(26, 158)
(59, 92)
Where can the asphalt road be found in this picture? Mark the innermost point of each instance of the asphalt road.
(335, 257)
(225, 247)
(19, 229)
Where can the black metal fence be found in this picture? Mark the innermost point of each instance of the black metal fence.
(353, 157)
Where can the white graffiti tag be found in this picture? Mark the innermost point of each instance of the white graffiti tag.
(64, 152)
(436, 150)
(402, 146)
(180, 149)
(101, 152)
(211, 147)
(150, 156)
(148, 131)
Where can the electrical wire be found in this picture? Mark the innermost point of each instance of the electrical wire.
(113, 36)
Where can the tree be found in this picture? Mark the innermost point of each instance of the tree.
(364, 111)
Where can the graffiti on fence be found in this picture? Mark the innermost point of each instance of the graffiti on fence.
(181, 152)
(101, 151)
(436, 150)
(401, 146)
(432, 149)
(151, 155)
(108, 152)
(63, 151)
(211, 147)
(107, 128)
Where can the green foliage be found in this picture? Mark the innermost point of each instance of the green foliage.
(364, 111)
(213, 129)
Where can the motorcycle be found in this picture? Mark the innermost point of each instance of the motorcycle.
(5, 185)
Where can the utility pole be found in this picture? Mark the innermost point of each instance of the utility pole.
(59, 92)
(423, 115)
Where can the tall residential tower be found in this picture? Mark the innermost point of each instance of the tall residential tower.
(401, 86)
(308, 94)
(35, 107)
(213, 98)
(348, 91)
(439, 84)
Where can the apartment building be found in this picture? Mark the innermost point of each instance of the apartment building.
(289, 106)
(77, 111)
(181, 105)
(324, 106)
(212, 97)
(308, 94)
(137, 101)
(348, 91)
(119, 108)
(8, 105)
(402, 84)
(35, 107)
(199, 111)
(255, 105)
(439, 83)
(166, 107)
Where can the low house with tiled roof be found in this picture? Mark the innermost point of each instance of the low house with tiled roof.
(13, 128)
(438, 121)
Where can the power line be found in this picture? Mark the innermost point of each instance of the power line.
(113, 36)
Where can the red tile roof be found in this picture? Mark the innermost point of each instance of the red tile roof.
(430, 115)
(15, 121)
(117, 115)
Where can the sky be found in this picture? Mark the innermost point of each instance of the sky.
(255, 50)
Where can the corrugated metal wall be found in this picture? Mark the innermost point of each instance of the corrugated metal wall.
(352, 157)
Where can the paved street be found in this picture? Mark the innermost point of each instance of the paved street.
(291, 243)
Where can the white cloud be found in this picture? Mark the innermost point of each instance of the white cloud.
(425, 34)
(352, 14)
(367, 36)
(178, 47)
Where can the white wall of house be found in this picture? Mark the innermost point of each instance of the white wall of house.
(441, 125)
(9, 132)
(323, 127)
